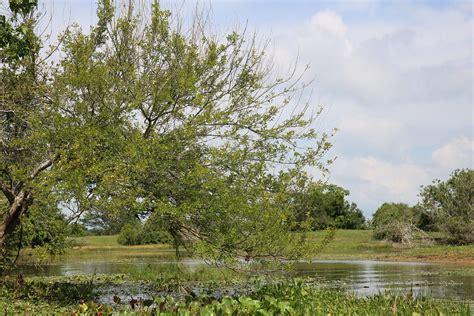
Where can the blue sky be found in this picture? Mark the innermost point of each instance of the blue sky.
(396, 78)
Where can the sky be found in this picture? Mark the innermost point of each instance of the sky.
(395, 78)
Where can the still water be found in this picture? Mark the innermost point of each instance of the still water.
(362, 277)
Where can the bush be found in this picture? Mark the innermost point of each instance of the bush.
(398, 222)
(459, 230)
(77, 230)
(325, 205)
(388, 213)
(152, 235)
(401, 232)
(137, 234)
(129, 235)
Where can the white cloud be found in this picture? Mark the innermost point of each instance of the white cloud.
(425, 57)
(372, 130)
(397, 82)
(373, 181)
(328, 21)
(458, 153)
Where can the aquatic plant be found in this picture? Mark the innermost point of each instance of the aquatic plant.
(283, 297)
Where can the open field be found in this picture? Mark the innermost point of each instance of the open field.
(347, 244)
(359, 244)
(91, 242)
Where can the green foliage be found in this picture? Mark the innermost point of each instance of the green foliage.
(133, 119)
(322, 206)
(154, 231)
(397, 222)
(77, 230)
(142, 234)
(129, 235)
(284, 297)
(107, 222)
(390, 212)
(17, 38)
(450, 205)
(42, 228)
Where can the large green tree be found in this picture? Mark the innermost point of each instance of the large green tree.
(141, 115)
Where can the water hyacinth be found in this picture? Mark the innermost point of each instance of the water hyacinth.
(283, 297)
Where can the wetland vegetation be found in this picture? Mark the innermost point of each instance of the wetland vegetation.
(151, 167)
(151, 275)
(281, 297)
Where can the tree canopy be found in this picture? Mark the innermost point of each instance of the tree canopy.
(148, 117)
(325, 205)
(450, 205)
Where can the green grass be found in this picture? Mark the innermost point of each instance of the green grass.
(347, 244)
(359, 244)
(97, 241)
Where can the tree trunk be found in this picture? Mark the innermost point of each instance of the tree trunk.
(11, 219)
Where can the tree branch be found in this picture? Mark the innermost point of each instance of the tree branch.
(44, 165)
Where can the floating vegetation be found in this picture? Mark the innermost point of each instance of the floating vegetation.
(94, 295)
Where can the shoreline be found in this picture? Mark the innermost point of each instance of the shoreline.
(461, 261)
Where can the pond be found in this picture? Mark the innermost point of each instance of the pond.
(362, 277)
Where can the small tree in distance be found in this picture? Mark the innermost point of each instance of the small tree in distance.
(450, 205)
(396, 222)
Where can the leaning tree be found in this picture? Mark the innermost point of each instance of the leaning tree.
(143, 115)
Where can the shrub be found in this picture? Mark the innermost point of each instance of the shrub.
(129, 235)
(398, 222)
(138, 234)
(151, 235)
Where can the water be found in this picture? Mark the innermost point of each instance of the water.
(362, 277)
(367, 277)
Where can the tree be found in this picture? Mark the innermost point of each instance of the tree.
(104, 222)
(352, 218)
(396, 222)
(325, 205)
(150, 119)
(19, 87)
(390, 212)
(450, 205)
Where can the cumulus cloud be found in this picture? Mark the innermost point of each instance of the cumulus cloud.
(426, 58)
(397, 82)
(328, 21)
(458, 153)
(373, 181)
(377, 131)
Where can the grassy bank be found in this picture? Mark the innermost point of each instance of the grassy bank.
(359, 244)
(347, 244)
(90, 242)
(82, 296)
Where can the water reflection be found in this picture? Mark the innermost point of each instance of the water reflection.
(361, 277)
(369, 277)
